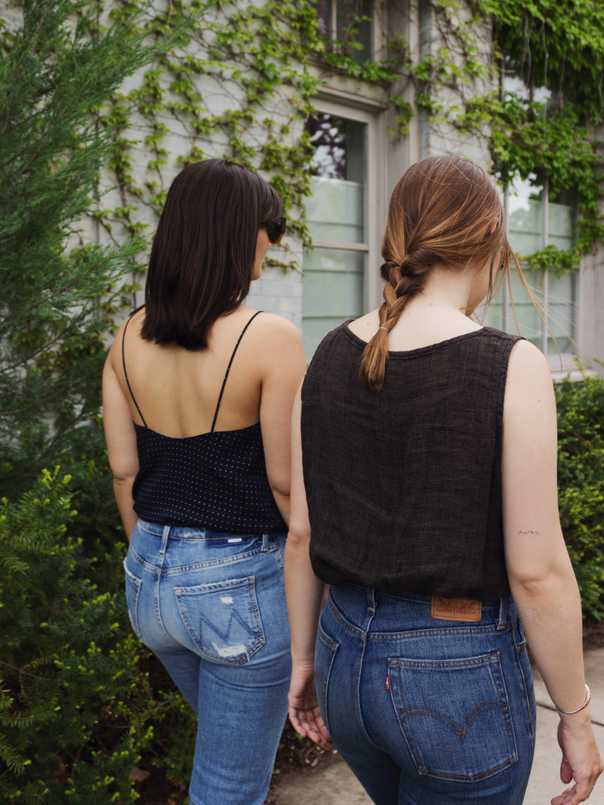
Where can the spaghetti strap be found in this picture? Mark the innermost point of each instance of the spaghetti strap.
(140, 413)
(226, 374)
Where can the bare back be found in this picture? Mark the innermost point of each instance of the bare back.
(177, 390)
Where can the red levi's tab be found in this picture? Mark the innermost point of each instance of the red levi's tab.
(456, 609)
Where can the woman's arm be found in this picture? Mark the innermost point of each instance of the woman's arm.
(540, 572)
(304, 592)
(121, 445)
(283, 369)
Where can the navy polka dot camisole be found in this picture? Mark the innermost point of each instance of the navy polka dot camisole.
(215, 480)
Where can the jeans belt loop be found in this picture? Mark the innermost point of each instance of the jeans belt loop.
(266, 541)
(503, 613)
(371, 600)
(164, 540)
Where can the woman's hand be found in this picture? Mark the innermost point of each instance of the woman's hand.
(304, 711)
(581, 760)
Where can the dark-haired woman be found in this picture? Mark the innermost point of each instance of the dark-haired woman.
(424, 492)
(197, 397)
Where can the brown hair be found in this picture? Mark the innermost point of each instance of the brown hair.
(443, 210)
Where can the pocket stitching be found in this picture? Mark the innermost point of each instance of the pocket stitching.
(526, 696)
(133, 615)
(201, 589)
(332, 646)
(178, 570)
(327, 641)
(488, 660)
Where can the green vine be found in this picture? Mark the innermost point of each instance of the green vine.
(240, 80)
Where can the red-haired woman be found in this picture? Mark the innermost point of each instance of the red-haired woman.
(424, 492)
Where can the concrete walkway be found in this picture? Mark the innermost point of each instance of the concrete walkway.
(334, 784)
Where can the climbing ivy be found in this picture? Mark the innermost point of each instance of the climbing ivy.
(236, 85)
(241, 79)
(558, 47)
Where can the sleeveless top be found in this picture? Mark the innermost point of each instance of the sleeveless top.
(215, 480)
(404, 484)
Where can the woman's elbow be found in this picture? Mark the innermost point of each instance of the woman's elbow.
(298, 535)
(123, 474)
(280, 487)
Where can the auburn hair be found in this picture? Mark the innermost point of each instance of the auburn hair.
(443, 211)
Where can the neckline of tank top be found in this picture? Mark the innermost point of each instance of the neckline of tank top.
(254, 426)
(409, 353)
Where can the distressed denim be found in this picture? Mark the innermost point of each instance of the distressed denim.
(427, 711)
(211, 606)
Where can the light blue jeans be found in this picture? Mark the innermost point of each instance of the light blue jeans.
(427, 711)
(211, 607)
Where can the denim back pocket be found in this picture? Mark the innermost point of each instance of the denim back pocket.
(133, 591)
(222, 619)
(454, 715)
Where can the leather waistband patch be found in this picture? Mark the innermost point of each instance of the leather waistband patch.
(456, 609)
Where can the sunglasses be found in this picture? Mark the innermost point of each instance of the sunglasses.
(275, 229)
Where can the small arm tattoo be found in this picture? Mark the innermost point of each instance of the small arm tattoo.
(528, 531)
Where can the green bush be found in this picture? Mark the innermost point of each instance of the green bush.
(74, 708)
(581, 485)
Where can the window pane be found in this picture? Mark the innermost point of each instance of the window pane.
(526, 223)
(354, 24)
(519, 316)
(339, 147)
(324, 12)
(493, 315)
(334, 278)
(561, 295)
(523, 318)
(333, 291)
(561, 225)
(333, 282)
(527, 234)
(335, 210)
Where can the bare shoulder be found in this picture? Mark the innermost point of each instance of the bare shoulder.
(529, 379)
(272, 323)
(276, 342)
(114, 352)
(276, 332)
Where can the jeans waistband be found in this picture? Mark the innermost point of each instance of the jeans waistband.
(368, 606)
(198, 532)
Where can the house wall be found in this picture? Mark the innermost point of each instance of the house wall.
(282, 292)
(590, 305)
(414, 22)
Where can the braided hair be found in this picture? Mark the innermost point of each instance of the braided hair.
(443, 211)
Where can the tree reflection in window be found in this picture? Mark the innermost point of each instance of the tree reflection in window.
(338, 147)
(347, 25)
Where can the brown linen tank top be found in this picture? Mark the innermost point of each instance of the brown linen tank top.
(404, 484)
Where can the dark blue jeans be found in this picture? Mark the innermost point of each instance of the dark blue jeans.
(427, 711)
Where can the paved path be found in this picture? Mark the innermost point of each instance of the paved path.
(334, 784)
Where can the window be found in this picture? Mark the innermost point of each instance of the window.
(350, 23)
(535, 220)
(335, 268)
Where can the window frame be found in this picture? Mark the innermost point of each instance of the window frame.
(378, 20)
(562, 361)
(373, 206)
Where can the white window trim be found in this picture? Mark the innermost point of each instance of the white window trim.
(561, 364)
(373, 198)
